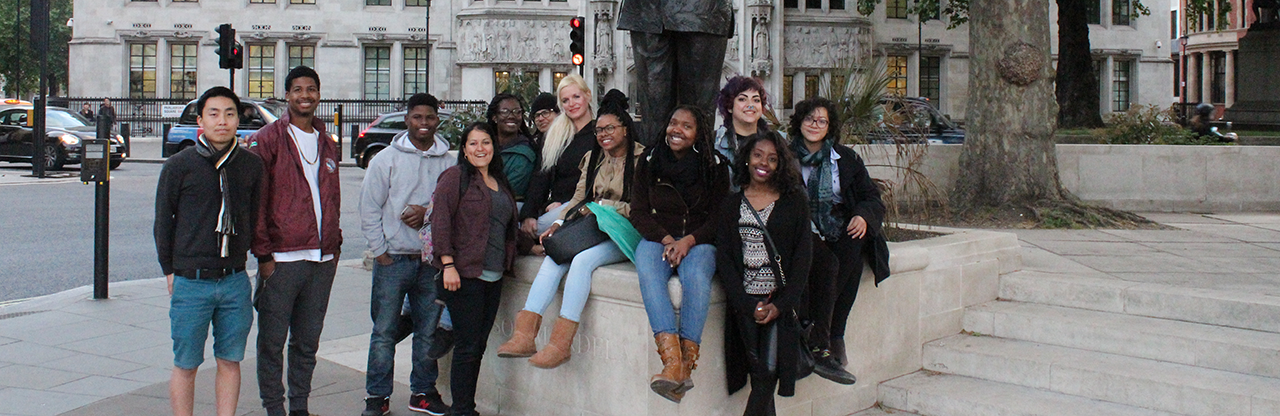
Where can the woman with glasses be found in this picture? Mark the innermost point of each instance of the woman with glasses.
(606, 174)
(506, 117)
(678, 185)
(542, 111)
(846, 213)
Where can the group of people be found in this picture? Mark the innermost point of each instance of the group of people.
(703, 203)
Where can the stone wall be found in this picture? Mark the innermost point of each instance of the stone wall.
(1134, 177)
(613, 355)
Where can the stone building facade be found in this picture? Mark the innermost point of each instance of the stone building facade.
(385, 49)
(1207, 68)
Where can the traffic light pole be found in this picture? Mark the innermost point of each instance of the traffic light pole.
(40, 40)
(231, 85)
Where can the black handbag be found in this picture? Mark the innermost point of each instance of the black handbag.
(579, 232)
(804, 357)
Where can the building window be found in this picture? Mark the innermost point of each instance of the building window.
(895, 9)
(262, 1)
(1218, 84)
(182, 70)
(1177, 77)
(262, 71)
(557, 76)
(377, 73)
(839, 85)
(377, 2)
(1120, 12)
(1093, 11)
(142, 70)
(896, 68)
(788, 91)
(415, 70)
(417, 3)
(302, 1)
(302, 55)
(813, 4)
(931, 79)
(835, 4)
(812, 86)
(184, 1)
(791, 4)
(1120, 77)
(1173, 24)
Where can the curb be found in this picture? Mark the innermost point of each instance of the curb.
(161, 161)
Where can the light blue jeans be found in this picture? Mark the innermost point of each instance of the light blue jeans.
(550, 217)
(578, 285)
(695, 272)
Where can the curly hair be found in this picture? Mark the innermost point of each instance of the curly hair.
(492, 112)
(804, 108)
(785, 179)
(733, 87)
(703, 142)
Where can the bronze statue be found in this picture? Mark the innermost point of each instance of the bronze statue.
(678, 47)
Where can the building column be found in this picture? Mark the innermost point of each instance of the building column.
(281, 71)
(163, 68)
(913, 74)
(397, 70)
(1105, 85)
(1230, 79)
(1192, 76)
(1206, 78)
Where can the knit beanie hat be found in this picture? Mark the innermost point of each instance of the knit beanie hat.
(544, 101)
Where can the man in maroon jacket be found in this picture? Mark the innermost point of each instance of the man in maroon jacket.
(297, 242)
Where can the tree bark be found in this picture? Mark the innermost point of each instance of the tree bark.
(1077, 84)
(1008, 155)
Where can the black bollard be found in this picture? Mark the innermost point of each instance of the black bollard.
(124, 133)
(164, 136)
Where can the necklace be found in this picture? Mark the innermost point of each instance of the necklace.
(302, 153)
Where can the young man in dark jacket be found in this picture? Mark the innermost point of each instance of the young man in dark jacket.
(297, 242)
(206, 202)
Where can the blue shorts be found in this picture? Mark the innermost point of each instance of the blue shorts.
(226, 303)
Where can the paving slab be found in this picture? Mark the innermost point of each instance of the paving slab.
(1212, 249)
(940, 394)
(1182, 235)
(1098, 248)
(92, 364)
(32, 377)
(1248, 218)
(28, 402)
(29, 352)
(1247, 233)
(1151, 262)
(1174, 219)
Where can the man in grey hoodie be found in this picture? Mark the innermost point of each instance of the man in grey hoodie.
(397, 190)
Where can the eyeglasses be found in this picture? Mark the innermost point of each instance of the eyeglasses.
(816, 122)
(607, 130)
(506, 112)
(545, 113)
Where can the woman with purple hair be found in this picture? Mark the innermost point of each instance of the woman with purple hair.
(742, 102)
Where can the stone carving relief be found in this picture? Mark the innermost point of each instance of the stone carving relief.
(484, 41)
(826, 46)
(604, 59)
(761, 59)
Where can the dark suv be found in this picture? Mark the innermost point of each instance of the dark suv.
(913, 120)
(64, 132)
(379, 133)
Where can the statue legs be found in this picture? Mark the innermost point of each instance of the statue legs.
(675, 68)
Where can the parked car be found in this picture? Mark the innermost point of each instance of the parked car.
(379, 133)
(913, 120)
(64, 130)
(257, 114)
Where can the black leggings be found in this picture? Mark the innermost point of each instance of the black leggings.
(473, 308)
(833, 286)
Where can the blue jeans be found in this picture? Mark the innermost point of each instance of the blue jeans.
(225, 303)
(695, 272)
(406, 275)
(577, 287)
(550, 217)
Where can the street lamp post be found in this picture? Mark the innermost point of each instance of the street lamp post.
(1182, 61)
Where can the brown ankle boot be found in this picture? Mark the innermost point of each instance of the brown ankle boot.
(557, 350)
(689, 361)
(521, 342)
(671, 377)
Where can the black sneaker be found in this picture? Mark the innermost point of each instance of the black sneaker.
(376, 406)
(825, 365)
(300, 413)
(837, 349)
(441, 343)
(430, 404)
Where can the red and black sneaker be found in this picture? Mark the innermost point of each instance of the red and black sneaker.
(430, 404)
(376, 406)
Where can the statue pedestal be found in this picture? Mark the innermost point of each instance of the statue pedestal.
(1258, 80)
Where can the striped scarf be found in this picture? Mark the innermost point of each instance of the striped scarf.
(821, 194)
(226, 223)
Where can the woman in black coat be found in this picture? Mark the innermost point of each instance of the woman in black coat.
(763, 273)
(847, 215)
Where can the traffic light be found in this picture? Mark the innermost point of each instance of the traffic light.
(226, 42)
(576, 39)
(237, 55)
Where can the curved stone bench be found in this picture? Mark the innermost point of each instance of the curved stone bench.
(614, 354)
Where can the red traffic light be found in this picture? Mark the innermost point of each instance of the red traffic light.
(578, 59)
(575, 22)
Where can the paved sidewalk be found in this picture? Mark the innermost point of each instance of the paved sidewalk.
(68, 354)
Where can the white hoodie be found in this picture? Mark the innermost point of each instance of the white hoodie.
(399, 176)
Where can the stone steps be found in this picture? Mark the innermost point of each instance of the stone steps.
(1215, 347)
(1256, 311)
(1177, 388)
(933, 394)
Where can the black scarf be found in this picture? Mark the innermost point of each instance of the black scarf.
(220, 159)
(684, 173)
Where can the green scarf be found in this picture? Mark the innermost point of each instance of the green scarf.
(821, 195)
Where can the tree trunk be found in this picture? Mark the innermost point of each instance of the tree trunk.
(1008, 155)
(1077, 84)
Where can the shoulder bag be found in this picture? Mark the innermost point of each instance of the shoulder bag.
(804, 357)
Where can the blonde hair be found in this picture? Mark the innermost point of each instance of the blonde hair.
(561, 132)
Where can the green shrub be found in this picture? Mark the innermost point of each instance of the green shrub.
(1148, 124)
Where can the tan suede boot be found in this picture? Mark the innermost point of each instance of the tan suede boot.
(689, 361)
(557, 350)
(521, 342)
(671, 377)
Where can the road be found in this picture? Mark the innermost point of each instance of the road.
(47, 239)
